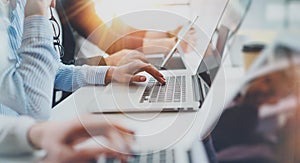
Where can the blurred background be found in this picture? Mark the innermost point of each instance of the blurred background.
(263, 14)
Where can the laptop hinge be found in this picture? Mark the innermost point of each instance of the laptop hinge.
(197, 89)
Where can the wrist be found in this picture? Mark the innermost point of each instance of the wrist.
(109, 74)
(35, 136)
(155, 35)
(107, 61)
(102, 62)
(34, 7)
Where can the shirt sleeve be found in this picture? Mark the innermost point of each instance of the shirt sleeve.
(13, 135)
(70, 78)
(28, 81)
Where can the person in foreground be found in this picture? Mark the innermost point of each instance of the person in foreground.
(59, 139)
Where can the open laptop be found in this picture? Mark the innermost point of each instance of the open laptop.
(182, 91)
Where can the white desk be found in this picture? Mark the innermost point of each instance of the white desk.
(158, 130)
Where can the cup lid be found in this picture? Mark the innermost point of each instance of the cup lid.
(253, 47)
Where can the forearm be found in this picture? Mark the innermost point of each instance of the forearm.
(13, 135)
(70, 78)
(84, 19)
(130, 41)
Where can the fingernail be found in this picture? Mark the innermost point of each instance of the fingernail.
(142, 78)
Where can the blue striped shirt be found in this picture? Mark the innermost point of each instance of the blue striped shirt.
(30, 68)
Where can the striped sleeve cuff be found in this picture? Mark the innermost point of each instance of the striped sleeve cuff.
(23, 125)
(14, 135)
(38, 27)
(96, 75)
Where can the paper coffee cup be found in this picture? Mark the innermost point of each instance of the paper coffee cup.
(250, 53)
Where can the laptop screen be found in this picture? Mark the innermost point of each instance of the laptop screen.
(210, 14)
(212, 59)
(228, 26)
(235, 14)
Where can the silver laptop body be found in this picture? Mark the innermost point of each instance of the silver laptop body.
(182, 91)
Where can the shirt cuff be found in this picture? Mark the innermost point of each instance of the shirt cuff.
(23, 125)
(96, 75)
(38, 27)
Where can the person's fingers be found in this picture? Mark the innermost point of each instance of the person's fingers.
(155, 73)
(189, 42)
(53, 3)
(127, 72)
(118, 142)
(89, 126)
(127, 134)
(67, 152)
(192, 31)
(123, 129)
(91, 122)
(176, 31)
(140, 66)
(138, 78)
(80, 155)
(84, 155)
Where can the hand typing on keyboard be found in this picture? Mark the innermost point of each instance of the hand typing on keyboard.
(173, 91)
(127, 73)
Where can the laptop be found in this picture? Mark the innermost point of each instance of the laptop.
(182, 91)
(192, 154)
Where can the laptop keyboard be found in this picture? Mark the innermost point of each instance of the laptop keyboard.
(164, 156)
(173, 91)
